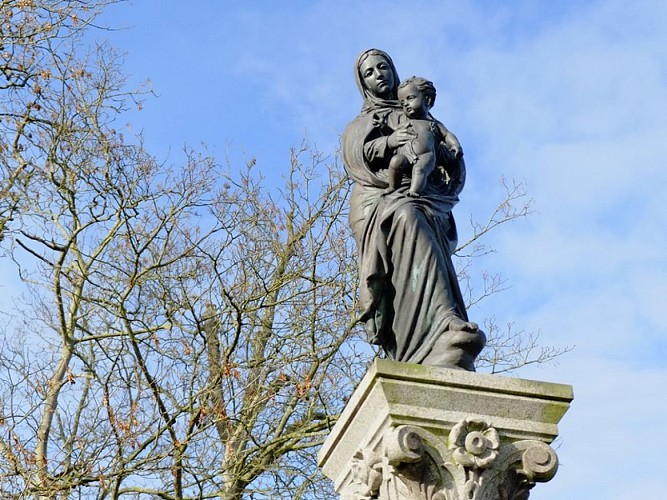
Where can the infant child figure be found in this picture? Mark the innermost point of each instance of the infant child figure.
(417, 96)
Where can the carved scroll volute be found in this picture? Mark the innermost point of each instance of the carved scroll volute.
(539, 463)
(402, 445)
(400, 470)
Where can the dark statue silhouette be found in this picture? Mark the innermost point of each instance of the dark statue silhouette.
(401, 217)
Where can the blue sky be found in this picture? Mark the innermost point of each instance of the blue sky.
(568, 96)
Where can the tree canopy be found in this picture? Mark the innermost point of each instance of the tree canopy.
(186, 330)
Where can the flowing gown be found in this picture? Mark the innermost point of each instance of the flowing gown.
(409, 293)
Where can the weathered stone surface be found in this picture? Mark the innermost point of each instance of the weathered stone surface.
(423, 432)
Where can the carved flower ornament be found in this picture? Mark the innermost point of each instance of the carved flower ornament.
(475, 443)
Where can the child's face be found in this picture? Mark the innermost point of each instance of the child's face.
(414, 102)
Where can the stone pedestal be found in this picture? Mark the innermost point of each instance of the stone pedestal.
(414, 432)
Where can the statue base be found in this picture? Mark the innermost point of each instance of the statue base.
(421, 432)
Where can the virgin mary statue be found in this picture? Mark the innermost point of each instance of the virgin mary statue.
(410, 298)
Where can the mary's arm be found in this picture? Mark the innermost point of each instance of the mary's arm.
(377, 153)
(367, 150)
(379, 148)
(363, 152)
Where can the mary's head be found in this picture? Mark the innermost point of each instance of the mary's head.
(376, 78)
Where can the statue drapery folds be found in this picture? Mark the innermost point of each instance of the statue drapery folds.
(409, 293)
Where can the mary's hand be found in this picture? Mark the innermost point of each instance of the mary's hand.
(401, 135)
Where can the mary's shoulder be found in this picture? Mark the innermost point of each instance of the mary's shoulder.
(360, 126)
(362, 119)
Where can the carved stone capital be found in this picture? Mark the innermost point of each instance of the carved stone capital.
(389, 444)
(472, 464)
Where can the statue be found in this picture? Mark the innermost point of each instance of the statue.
(418, 155)
(410, 298)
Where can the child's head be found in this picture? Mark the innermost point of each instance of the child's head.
(417, 96)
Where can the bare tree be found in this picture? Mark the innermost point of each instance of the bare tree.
(186, 331)
(507, 348)
(38, 43)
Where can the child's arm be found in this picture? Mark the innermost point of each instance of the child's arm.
(450, 141)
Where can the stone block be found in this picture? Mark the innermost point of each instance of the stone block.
(467, 425)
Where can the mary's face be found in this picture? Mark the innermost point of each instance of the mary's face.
(377, 75)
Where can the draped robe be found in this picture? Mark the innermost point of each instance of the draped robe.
(409, 293)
